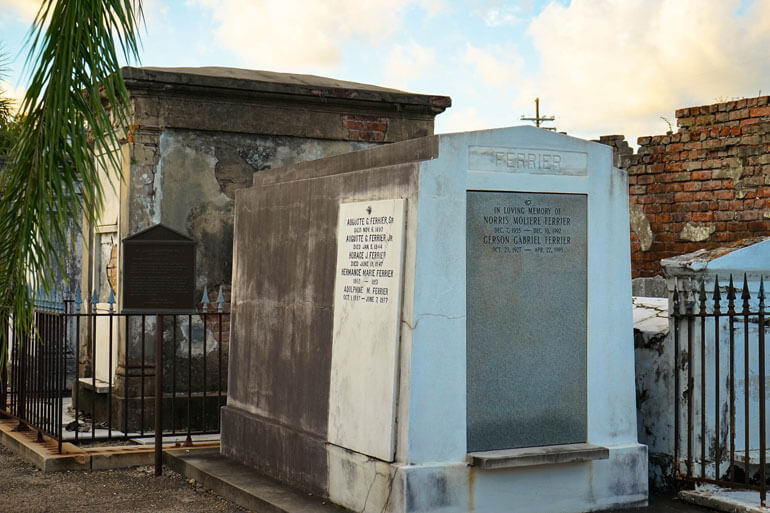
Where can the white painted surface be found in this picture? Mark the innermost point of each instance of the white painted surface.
(431, 473)
(367, 307)
(437, 423)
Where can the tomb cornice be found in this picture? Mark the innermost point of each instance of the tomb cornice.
(273, 86)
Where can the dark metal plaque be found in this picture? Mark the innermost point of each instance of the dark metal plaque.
(159, 271)
(526, 328)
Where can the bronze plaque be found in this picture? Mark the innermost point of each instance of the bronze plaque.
(159, 271)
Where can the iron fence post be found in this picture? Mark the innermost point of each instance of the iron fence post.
(675, 317)
(4, 367)
(762, 441)
(159, 395)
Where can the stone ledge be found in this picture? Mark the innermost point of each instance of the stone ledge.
(530, 456)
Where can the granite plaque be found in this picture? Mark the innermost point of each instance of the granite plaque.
(367, 313)
(159, 271)
(526, 328)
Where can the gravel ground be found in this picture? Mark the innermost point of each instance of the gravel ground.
(23, 488)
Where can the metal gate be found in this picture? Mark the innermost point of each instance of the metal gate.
(720, 384)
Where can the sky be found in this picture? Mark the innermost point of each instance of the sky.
(599, 66)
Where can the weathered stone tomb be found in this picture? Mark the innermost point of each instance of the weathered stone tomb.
(442, 324)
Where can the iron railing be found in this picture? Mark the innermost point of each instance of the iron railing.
(106, 363)
(719, 384)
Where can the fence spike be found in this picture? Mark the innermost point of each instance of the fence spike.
(761, 292)
(746, 295)
(205, 300)
(111, 300)
(220, 300)
(95, 297)
(717, 294)
(731, 291)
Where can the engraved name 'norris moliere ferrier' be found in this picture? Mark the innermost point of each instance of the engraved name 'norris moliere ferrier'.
(528, 228)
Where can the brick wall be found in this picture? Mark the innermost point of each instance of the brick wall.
(703, 187)
(365, 128)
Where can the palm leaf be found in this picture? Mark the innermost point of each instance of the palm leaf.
(72, 112)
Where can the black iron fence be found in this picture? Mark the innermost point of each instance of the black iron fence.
(84, 374)
(720, 384)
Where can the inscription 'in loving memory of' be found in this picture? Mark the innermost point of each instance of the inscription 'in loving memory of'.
(527, 229)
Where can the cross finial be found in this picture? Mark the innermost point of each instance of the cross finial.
(538, 119)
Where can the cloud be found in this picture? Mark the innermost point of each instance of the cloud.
(495, 66)
(460, 120)
(407, 62)
(25, 9)
(616, 66)
(16, 94)
(286, 34)
(498, 16)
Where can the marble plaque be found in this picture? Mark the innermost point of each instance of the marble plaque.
(526, 329)
(367, 308)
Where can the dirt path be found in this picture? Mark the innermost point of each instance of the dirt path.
(23, 488)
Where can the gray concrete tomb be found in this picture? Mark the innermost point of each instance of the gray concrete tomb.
(440, 324)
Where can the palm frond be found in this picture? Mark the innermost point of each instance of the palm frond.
(74, 106)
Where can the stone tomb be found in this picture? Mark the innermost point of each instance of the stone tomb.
(439, 324)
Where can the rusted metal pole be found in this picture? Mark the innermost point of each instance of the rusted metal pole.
(762, 441)
(717, 384)
(690, 381)
(676, 318)
(159, 395)
(4, 369)
(731, 316)
(746, 296)
(703, 434)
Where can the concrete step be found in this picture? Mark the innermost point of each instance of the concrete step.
(243, 485)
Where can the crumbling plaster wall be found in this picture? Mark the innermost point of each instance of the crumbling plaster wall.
(702, 187)
(186, 180)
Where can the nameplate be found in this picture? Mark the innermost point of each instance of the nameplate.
(532, 161)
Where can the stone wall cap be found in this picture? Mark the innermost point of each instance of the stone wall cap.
(531, 456)
(743, 255)
(272, 82)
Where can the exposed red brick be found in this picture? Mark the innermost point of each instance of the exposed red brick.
(759, 112)
(644, 179)
(701, 175)
(692, 186)
(703, 216)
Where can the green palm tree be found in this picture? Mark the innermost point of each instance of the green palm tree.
(75, 107)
